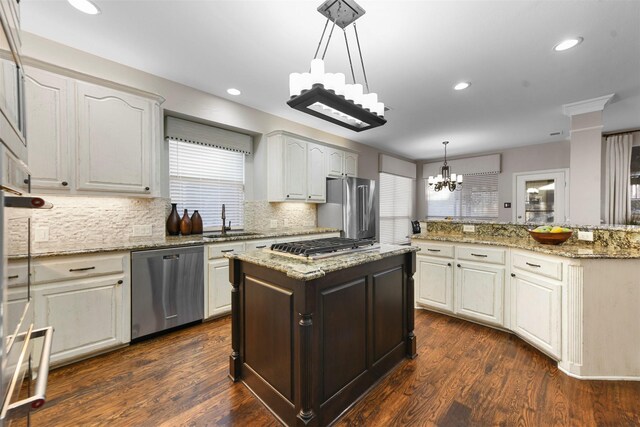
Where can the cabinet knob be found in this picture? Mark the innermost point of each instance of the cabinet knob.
(448, 264)
(513, 274)
(120, 282)
(287, 196)
(459, 265)
(146, 188)
(309, 196)
(64, 183)
(26, 180)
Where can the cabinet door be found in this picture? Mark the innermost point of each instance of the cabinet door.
(87, 315)
(219, 287)
(350, 164)
(480, 292)
(335, 162)
(114, 140)
(317, 183)
(536, 315)
(295, 169)
(435, 283)
(46, 98)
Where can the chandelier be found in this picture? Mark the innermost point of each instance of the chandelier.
(445, 178)
(327, 95)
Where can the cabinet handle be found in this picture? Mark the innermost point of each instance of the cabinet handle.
(513, 274)
(459, 265)
(82, 269)
(120, 282)
(261, 246)
(146, 188)
(532, 265)
(64, 183)
(15, 276)
(433, 250)
(448, 264)
(479, 255)
(226, 250)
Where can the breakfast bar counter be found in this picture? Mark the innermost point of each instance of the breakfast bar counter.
(310, 337)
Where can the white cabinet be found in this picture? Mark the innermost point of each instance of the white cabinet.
(86, 138)
(217, 286)
(316, 182)
(434, 280)
(479, 292)
(341, 163)
(87, 300)
(536, 313)
(47, 106)
(295, 169)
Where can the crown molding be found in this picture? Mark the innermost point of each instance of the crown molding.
(586, 106)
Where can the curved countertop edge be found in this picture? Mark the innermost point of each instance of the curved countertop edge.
(609, 227)
(176, 241)
(567, 251)
(306, 270)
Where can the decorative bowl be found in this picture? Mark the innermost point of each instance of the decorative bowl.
(550, 238)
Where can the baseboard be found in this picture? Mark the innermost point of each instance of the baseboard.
(598, 377)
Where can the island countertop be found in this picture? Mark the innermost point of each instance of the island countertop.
(305, 269)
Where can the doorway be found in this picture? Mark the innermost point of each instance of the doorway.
(541, 197)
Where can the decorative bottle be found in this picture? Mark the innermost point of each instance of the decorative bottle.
(196, 223)
(173, 222)
(185, 224)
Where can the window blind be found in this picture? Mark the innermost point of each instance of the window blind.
(396, 207)
(477, 199)
(203, 178)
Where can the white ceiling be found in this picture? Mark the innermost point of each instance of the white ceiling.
(414, 52)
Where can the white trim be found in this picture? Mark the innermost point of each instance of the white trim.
(514, 213)
(599, 127)
(586, 106)
(598, 377)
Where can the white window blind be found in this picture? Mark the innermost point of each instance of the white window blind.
(477, 199)
(203, 178)
(396, 206)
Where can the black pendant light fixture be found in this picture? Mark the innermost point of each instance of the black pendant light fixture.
(326, 95)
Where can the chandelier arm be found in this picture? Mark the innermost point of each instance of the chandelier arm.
(321, 38)
(366, 82)
(328, 40)
(346, 42)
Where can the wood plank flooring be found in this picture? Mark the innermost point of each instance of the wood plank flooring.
(464, 375)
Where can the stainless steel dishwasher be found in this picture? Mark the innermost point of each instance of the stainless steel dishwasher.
(167, 289)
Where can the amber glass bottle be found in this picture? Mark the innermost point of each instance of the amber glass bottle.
(173, 222)
(185, 224)
(196, 223)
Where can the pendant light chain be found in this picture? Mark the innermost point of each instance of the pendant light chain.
(346, 42)
(321, 38)
(328, 40)
(366, 82)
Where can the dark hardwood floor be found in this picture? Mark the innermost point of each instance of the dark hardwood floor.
(464, 375)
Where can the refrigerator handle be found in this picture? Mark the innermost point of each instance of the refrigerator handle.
(363, 217)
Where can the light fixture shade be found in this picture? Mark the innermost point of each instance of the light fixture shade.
(341, 111)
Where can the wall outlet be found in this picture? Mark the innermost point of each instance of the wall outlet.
(469, 228)
(273, 223)
(142, 230)
(585, 235)
(41, 234)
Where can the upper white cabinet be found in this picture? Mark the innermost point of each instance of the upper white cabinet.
(341, 163)
(295, 169)
(47, 100)
(316, 183)
(90, 139)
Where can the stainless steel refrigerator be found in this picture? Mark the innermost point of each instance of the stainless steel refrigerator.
(352, 206)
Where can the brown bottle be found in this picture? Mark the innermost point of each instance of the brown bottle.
(185, 224)
(196, 223)
(173, 222)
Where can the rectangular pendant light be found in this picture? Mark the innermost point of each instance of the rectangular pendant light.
(326, 105)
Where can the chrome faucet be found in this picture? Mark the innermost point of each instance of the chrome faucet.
(224, 218)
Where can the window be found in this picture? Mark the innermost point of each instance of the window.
(478, 199)
(396, 206)
(203, 177)
(635, 185)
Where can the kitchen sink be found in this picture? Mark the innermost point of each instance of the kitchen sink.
(233, 233)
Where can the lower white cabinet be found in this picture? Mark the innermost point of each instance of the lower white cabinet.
(479, 292)
(90, 311)
(435, 282)
(219, 287)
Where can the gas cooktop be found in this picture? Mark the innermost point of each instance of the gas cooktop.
(324, 247)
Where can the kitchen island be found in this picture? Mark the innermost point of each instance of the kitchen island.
(310, 337)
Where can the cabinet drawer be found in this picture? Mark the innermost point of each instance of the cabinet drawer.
(491, 255)
(17, 274)
(258, 244)
(76, 268)
(434, 249)
(543, 266)
(218, 250)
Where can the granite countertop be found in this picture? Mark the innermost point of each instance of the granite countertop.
(610, 227)
(171, 241)
(565, 250)
(306, 269)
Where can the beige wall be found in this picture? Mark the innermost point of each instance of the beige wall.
(522, 159)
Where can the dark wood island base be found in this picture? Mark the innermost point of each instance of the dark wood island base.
(309, 349)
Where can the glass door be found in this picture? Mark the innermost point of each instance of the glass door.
(540, 198)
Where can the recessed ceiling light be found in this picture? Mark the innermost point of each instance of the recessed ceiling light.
(233, 91)
(567, 44)
(85, 6)
(462, 85)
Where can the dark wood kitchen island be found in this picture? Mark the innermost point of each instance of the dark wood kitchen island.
(309, 338)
